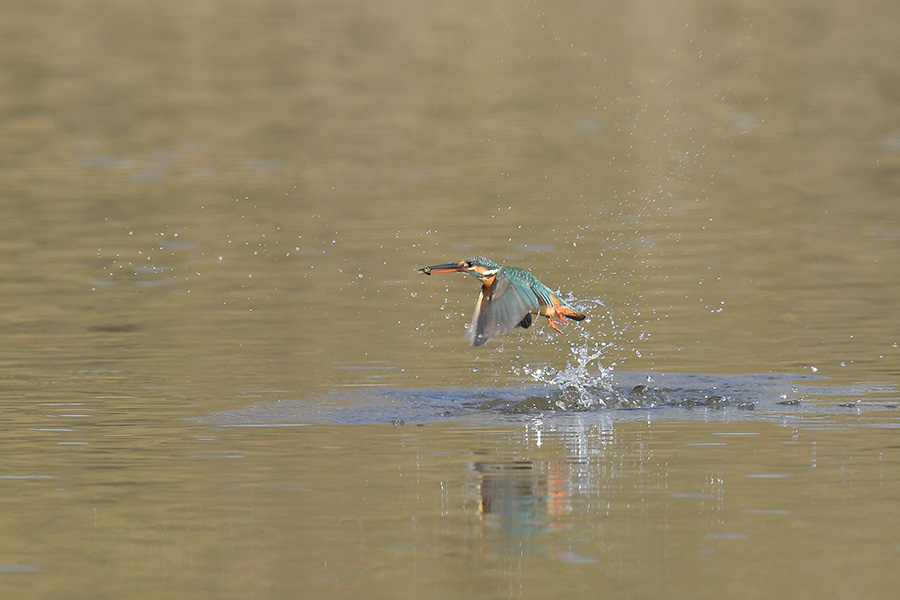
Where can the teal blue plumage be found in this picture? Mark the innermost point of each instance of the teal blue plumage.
(508, 299)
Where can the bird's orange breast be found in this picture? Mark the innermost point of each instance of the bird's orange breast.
(487, 285)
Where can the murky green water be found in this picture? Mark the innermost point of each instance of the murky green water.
(223, 377)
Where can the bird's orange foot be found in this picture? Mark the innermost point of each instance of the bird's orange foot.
(560, 318)
(553, 324)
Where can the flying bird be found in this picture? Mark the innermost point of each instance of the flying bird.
(508, 298)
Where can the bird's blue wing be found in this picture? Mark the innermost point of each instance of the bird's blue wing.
(500, 312)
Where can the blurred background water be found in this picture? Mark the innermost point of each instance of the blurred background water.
(223, 377)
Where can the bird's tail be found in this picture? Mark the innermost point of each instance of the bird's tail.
(569, 313)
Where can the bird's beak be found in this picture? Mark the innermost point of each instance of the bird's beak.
(445, 268)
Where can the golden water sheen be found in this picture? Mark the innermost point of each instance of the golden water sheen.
(220, 206)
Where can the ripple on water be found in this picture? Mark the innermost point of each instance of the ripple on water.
(625, 397)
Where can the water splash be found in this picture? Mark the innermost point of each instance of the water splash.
(580, 387)
(585, 382)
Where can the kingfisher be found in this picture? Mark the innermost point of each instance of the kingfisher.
(508, 298)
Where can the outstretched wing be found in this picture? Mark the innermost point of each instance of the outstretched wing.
(501, 311)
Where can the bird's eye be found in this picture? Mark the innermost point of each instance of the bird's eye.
(469, 264)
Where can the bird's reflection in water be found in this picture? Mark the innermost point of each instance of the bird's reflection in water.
(512, 498)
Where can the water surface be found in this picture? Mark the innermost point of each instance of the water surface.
(222, 375)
